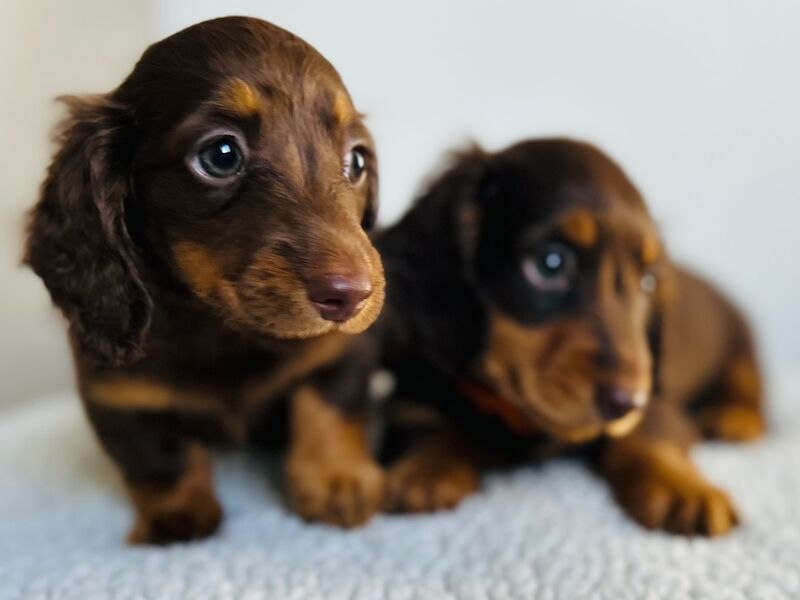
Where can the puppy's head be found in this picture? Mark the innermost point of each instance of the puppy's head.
(231, 164)
(570, 267)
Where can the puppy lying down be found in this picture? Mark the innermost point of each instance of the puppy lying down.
(531, 303)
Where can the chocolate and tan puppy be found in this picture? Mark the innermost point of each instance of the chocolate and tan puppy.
(202, 229)
(532, 304)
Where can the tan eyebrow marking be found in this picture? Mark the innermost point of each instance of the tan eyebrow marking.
(343, 110)
(651, 249)
(240, 98)
(580, 228)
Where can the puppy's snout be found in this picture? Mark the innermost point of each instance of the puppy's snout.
(338, 297)
(615, 402)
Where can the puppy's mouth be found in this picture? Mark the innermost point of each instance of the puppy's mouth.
(621, 408)
(528, 413)
(584, 429)
(623, 425)
(594, 421)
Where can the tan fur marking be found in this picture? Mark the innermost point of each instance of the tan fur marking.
(191, 502)
(318, 427)
(239, 98)
(744, 379)
(435, 475)
(273, 290)
(739, 417)
(141, 394)
(732, 422)
(310, 355)
(343, 110)
(372, 308)
(651, 249)
(580, 228)
(624, 425)
(331, 475)
(516, 364)
(656, 483)
(199, 266)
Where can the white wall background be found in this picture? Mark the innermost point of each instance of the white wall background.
(698, 100)
(47, 48)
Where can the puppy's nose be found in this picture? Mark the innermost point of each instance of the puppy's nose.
(615, 402)
(338, 297)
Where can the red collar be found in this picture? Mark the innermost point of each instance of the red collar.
(489, 402)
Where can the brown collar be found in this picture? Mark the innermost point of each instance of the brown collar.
(489, 402)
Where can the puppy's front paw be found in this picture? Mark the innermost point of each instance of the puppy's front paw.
(426, 482)
(681, 507)
(177, 520)
(343, 493)
(732, 423)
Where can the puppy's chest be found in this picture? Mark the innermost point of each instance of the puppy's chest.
(240, 372)
(206, 359)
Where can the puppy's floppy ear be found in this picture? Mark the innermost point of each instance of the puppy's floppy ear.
(77, 239)
(449, 315)
(472, 183)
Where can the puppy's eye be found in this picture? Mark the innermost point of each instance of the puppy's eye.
(648, 283)
(356, 164)
(552, 268)
(221, 159)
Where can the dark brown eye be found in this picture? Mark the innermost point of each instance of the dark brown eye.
(356, 164)
(649, 282)
(221, 159)
(552, 268)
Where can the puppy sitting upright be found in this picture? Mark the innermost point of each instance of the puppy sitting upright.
(530, 299)
(202, 228)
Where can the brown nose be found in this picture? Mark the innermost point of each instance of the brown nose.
(614, 402)
(338, 297)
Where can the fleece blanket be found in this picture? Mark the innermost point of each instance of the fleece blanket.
(548, 533)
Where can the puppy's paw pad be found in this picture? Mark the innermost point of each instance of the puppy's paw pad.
(732, 423)
(684, 508)
(416, 485)
(346, 495)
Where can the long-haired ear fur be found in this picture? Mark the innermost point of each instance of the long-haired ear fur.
(453, 200)
(77, 239)
(435, 274)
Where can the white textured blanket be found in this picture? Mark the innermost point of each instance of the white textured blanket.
(550, 533)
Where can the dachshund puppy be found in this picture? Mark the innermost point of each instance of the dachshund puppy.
(531, 303)
(202, 229)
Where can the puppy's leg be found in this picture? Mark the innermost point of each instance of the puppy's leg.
(732, 410)
(656, 483)
(436, 474)
(168, 477)
(331, 474)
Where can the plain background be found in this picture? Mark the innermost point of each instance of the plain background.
(699, 102)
